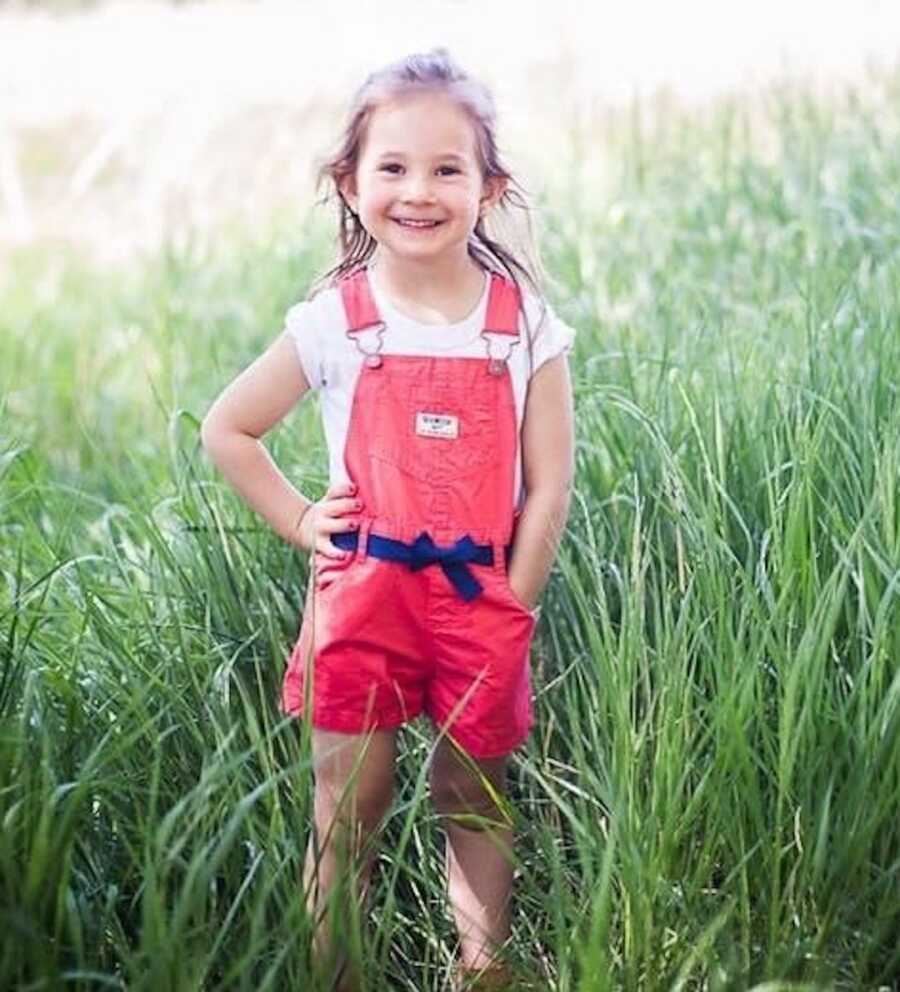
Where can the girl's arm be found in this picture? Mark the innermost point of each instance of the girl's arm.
(548, 464)
(245, 410)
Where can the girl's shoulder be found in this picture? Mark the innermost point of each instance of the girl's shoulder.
(315, 325)
(534, 307)
(545, 334)
(326, 306)
(320, 308)
(542, 324)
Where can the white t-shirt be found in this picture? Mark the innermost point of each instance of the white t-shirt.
(331, 361)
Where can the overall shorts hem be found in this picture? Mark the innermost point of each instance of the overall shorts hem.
(357, 726)
(296, 703)
(493, 749)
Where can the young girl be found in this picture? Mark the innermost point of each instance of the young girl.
(446, 405)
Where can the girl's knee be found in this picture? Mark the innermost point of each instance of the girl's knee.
(360, 805)
(468, 788)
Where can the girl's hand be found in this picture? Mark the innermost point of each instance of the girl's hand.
(337, 512)
(527, 599)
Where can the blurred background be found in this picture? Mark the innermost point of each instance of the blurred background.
(122, 124)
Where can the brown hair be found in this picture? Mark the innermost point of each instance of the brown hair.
(433, 70)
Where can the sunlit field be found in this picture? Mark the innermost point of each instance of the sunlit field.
(710, 797)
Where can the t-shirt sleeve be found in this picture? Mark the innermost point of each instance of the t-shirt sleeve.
(551, 336)
(302, 324)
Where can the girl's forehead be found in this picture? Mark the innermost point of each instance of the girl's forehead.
(430, 124)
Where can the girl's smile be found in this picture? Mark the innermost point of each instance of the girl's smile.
(417, 225)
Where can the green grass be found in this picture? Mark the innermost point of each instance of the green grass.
(709, 799)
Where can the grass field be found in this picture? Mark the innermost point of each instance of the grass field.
(710, 797)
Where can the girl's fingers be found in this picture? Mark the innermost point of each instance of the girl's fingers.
(339, 507)
(340, 489)
(333, 516)
(333, 525)
(337, 525)
(335, 509)
(329, 550)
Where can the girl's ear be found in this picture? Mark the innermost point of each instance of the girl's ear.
(347, 189)
(493, 189)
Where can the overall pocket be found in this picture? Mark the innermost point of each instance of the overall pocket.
(531, 611)
(434, 435)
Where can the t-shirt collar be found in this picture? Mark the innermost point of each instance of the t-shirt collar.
(442, 335)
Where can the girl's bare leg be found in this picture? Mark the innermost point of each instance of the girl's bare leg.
(479, 849)
(354, 782)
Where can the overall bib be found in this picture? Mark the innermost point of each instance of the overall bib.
(420, 617)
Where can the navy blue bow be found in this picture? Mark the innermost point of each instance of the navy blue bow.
(423, 552)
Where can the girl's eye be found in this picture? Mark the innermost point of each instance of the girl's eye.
(394, 167)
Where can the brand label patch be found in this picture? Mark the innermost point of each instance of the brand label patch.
(437, 425)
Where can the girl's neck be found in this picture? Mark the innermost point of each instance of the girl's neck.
(431, 292)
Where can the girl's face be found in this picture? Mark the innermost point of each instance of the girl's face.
(418, 187)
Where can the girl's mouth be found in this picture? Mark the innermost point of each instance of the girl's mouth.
(417, 224)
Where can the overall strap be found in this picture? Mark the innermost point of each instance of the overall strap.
(503, 307)
(359, 304)
(503, 319)
(362, 314)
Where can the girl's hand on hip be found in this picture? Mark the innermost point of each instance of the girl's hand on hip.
(336, 512)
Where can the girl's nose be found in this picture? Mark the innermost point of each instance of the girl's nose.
(417, 190)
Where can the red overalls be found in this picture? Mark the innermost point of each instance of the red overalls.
(421, 617)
